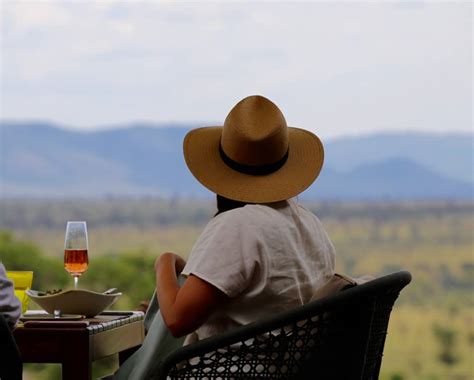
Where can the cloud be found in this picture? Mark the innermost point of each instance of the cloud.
(334, 68)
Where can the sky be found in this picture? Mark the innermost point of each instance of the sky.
(335, 68)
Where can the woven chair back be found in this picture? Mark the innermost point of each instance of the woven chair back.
(340, 337)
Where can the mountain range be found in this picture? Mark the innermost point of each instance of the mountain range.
(39, 159)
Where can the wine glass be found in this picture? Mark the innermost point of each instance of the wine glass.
(76, 246)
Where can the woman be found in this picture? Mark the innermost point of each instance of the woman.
(262, 253)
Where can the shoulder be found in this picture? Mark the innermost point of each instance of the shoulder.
(228, 226)
(302, 210)
(3, 274)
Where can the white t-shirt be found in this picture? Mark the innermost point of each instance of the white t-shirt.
(266, 257)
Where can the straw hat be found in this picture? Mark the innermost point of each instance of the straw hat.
(255, 157)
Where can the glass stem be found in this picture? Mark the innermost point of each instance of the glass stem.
(75, 281)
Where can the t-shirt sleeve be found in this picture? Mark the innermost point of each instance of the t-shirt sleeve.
(226, 253)
(10, 306)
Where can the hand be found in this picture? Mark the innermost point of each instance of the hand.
(180, 263)
(170, 258)
(143, 306)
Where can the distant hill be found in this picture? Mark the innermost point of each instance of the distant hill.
(43, 160)
(392, 179)
(450, 155)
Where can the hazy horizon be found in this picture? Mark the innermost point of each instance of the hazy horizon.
(183, 124)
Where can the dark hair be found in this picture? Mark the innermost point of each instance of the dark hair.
(226, 204)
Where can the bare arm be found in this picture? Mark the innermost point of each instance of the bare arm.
(184, 308)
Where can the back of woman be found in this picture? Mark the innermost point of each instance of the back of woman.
(265, 257)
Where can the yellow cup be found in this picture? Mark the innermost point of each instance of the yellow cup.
(22, 281)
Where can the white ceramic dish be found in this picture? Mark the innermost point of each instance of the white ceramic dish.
(75, 301)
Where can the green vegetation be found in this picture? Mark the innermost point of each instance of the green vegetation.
(430, 333)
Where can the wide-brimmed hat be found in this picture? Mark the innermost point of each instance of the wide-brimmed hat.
(255, 157)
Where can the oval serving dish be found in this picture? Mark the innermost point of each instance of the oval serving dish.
(74, 301)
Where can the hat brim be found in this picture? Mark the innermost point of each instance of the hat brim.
(305, 160)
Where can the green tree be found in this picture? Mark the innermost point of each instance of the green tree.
(396, 376)
(446, 338)
(22, 255)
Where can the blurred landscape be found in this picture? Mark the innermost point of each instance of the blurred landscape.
(46, 160)
(388, 201)
(387, 85)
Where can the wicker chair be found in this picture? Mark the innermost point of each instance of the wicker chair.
(11, 366)
(339, 337)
